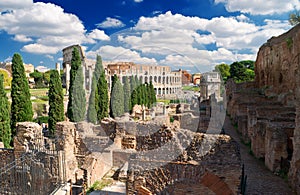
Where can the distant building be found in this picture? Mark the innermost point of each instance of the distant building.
(29, 68)
(186, 77)
(165, 81)
(210, 83)
(196, 78)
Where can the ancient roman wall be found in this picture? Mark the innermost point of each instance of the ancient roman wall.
(266, 112)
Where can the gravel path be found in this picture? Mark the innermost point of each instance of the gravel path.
(260, 180)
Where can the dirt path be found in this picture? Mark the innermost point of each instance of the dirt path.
(260, 180)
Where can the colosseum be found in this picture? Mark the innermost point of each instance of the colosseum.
(167, 83)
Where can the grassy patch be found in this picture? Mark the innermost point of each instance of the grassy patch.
(165, 101)
(191, 88)
(99, 185)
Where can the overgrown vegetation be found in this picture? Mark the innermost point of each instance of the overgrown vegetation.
(99, 185)
(289, 42)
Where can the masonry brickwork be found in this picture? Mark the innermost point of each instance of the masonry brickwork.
(266, 111)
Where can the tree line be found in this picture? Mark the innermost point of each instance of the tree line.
(241, 71)
(101, 104)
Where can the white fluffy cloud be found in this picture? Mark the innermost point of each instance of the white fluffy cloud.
(47, 26)
(182, 40)
(22, 38)
(111, 23)
(7, 5)
(42, 68)
(99, 35)
(260, 7)
(138, 1)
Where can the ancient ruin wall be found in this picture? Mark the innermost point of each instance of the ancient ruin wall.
(277, 64)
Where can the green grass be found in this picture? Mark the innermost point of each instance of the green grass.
(191, 88)
(165, 101)
(99, 185)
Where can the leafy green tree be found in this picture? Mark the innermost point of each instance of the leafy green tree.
(21, 107)
(249, 64)
(92, 112)
(38, 78)
(5, 131)
(223, 69)
(294, 18)
(101, 97)
(77, 100)
(56, 101)
(127, 92)
(117, 99)
(242, 71)
(6, 78)
(46, 77)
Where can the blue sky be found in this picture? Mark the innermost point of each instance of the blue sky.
(190, 34)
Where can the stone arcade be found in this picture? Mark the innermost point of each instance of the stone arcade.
(166, 82)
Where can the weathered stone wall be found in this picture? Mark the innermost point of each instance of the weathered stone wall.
(267, 112)
(277, 65)
(265, 122)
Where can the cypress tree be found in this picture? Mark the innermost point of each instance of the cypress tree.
(101, 97)
(5, 132)
(77, 101)
(21, 107)
(113, 82)
(117, 99)
(137, 81)
(132, 84)
(79, 98)
(134, 98)
(56, 101)
(127, 91)
(152, 94)
(92, 112)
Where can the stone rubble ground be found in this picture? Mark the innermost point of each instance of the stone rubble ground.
(259, 179)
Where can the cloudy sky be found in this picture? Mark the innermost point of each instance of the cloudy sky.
(190, 34)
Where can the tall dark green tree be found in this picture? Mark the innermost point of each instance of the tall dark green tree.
(101, 97)
(92, 112)
(151, 95)
(56, 101)
(133, 84)
(127, 91)
(77, 100)
(113, 82)
(134, 98)
(117, 99)
(5, 131)
(21, 107)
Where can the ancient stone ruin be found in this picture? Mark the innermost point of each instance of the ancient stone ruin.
(151, 157)
(266, 111)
